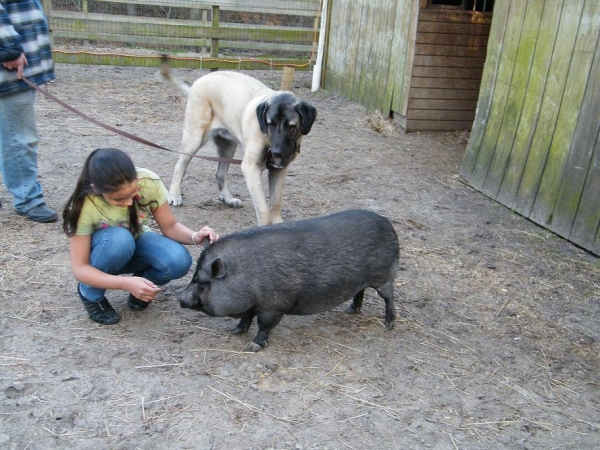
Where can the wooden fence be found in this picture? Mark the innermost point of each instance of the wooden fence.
(198, 26)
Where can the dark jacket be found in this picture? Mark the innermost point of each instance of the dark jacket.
(23, 28)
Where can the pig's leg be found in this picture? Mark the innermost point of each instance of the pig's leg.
(266, 322)
(356, 304)
(243, 325)
(387, 292)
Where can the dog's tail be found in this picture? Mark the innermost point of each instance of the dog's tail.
(164, 74)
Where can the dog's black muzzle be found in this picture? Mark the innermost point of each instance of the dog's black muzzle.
(274, 160)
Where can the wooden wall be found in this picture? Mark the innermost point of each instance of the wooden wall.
(369, 51)
(446, 74)
(406, 58)
(535, 144)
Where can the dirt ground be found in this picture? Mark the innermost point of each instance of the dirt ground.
(497, 347)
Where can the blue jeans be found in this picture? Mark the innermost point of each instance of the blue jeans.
(19, 149)
(152, 256)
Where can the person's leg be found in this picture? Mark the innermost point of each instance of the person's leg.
(112, 249)
(159, 259)
(18, 153)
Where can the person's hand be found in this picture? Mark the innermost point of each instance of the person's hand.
(205, 232)
(142, 289)
(17, 64)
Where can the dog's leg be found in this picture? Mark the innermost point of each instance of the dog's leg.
(192, 141)
(276, 178)
(252, 171)
(226, 147)
(196, 126)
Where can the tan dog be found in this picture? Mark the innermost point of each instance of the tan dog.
(233, 109)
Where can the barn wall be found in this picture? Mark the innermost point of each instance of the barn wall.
(369, 51)
(535, 140)
(450, 52)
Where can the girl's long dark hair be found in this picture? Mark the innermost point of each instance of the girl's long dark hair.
(108, 170)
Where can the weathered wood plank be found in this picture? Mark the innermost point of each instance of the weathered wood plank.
(545, 208)
(445, 83)
(336, 71)
(577, 209)
(432, 114)
(450, 50)
(351, 44)
(452, 39)
(448, 72)
(456, 16)
(381, 102)
(105, 24)
(365, 95)
(188, 63)
(407, 13)
(367, 16)
(486, 94)
(444, 94)
(291, 7)
(514, 102)
(453, 28)
(449, 105)
(391, 68)
(510, 46)
(188, 42)
(532, 103)
(547, 120)
(447, 61)
(433, 125)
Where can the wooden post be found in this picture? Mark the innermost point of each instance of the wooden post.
(47, 5)
(204, 21)
(287, 80)
(214, 42)
(85, 10)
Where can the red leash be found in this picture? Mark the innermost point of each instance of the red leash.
(121, 132)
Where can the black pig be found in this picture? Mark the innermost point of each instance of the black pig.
(303, 267)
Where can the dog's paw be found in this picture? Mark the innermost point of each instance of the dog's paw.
(175, 200)
(231, 201)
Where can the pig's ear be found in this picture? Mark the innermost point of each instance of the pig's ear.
(218, 268)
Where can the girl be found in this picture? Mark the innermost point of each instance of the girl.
(105, 219)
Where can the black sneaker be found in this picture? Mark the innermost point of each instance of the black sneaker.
(101, 312)
(40, 213)
(135, 304)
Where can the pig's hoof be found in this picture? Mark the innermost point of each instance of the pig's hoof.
(239, 330)
(352, 310)
(252, 347)
(390, 325)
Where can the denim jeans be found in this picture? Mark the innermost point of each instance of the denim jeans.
(19, 149)
(152, 256)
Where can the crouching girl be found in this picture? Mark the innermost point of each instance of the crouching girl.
(106, 220)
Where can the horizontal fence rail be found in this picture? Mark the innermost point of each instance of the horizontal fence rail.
(223, 34)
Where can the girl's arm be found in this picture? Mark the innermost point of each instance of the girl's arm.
(170, 227)
(82, 269)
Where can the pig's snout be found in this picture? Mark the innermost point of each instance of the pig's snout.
(187, 299)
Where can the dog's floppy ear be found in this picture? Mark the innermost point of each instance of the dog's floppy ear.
(261, 113)
(308, 114)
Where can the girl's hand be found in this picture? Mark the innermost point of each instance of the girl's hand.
(143, 289)
(205, 232)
